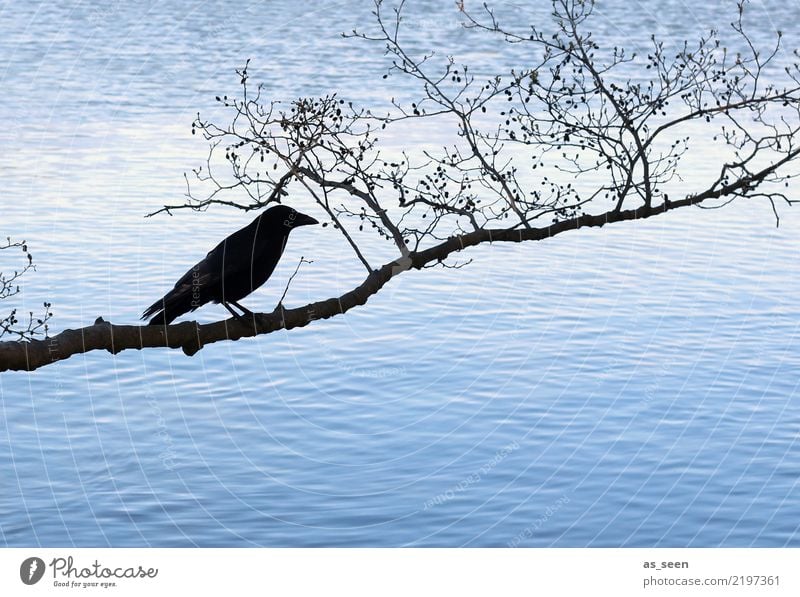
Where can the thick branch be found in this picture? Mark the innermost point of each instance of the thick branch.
(188, 336)
(191, 336)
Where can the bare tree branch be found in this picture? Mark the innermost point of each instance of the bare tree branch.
(191, 336)
(11, 325)
(584, 136)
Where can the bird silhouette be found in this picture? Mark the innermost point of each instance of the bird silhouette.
(233, 269)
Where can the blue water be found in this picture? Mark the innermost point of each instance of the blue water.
(630, 386)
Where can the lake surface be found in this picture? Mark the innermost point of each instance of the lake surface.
(630, 386)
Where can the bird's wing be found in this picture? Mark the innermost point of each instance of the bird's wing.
(238, 247)
(206, 272)
(211, 269)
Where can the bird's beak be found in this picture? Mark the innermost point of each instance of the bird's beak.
(304, 220)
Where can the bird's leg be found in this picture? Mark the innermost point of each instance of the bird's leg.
(255, 317)
(238, 316)
(245, 311)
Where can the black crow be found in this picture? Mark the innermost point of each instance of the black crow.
(233, 269)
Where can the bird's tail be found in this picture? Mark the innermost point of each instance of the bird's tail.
(165, 310)
(159, 319)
